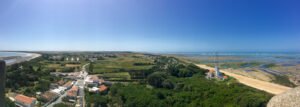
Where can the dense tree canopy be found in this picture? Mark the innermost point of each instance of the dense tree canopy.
(156, 79)
(179, 84)
(29, 77)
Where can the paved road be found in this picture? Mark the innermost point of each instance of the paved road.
(59, 100)
(258, 84)
(80, 83)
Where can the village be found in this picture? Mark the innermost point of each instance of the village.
(70, 90)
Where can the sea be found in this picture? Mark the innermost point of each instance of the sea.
(8, 54)
(286, 58)
(12, 54)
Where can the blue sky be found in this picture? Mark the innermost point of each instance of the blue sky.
(150, 25)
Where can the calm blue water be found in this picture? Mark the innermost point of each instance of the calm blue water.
(7, 54)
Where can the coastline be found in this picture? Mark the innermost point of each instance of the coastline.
(19, 59)
(269, 87)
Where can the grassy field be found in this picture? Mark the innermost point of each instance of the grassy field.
(116, 76)
(60, 65)
(118, 68)
(123, 63)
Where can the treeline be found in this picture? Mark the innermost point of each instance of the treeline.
(29, 77)
(191, 92)
(141, 64)
(167, 66)
(174, 67)
(69, 69)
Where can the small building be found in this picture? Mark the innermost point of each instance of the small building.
(210, 74)
(56, 58)
(214, 73)
(58, 74)
(60, 90)
(93, 59)
(225, 77)
(68, 85)
(92, 80)
(24, 101)
(103, 88)
(72, 93)
(75, 74)
(53, 85)
(94, 89)
(49, 96)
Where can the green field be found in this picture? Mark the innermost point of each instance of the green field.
(60, 65)
(116, 76)
(123, 67)
(122, 63)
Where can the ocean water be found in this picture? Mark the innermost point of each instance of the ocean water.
(8, 54)
(287, 58)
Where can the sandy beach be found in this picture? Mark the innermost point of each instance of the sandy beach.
(258, 84)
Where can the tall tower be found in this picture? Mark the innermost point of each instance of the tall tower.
(217, 72)
(2, 83)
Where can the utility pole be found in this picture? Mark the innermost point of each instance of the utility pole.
(2, 83)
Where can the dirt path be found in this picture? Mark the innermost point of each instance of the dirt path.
(258, 84)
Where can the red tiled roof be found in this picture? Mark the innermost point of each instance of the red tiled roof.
(225, 77)
(73, 91)
(74, 88)
(102, 88)
(24, 99)
(49, 95)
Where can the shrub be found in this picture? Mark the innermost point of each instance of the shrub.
(156, 79)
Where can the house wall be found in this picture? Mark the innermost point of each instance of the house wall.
(20, 104)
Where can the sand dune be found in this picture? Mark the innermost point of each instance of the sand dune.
(258, 84)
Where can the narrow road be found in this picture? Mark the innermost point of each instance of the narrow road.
(59, 100)
(258, 84)
(80, 83)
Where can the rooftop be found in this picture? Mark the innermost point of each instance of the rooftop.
(73, 91)
(49, 95)
(103, 88)
(24, 99)
(68, 84)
